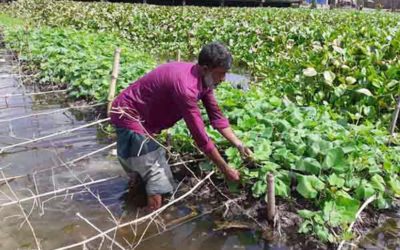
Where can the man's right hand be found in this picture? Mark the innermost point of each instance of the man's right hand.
(231, 174)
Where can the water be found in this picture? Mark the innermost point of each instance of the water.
(190, 224)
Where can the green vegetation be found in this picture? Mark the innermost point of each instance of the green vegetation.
(341, 58)
(80, 59)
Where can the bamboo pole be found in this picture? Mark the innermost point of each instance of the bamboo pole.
(114, 76)
(395, 117)
(179, 55)
(270, 198)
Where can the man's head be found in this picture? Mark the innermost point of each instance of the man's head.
(215, 60)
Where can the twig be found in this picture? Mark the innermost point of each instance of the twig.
(141, 218)
(237, 205)
(22, 211)
(51, 112)
(52, 135)
(98, 230)
(184, 162)
(55, 191)
(364, 205)
(34, 93)
(97, 197)
(69, 162)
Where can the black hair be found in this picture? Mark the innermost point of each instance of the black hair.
(214, 55)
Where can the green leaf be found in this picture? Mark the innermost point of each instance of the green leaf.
(334, 180)
(232, 153)
(259, 188)
(364, 191)
(306, 214)
(309, 185)
(364, 91)
(206, 166)
(335, 159)
(262, 151)
(322, 233)
(281, 188)
(310, 72)
(305, 227)
(329, 77)
(394, 184)
(378, 183)
(309, 165)
(233, 187)
(275, 101)
(341, 210)
(350, 80)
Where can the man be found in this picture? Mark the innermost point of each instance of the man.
(156, 102)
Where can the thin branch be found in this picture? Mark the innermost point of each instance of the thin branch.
(51, 112)
(22, 211)
(52, 135)
(98, 230)
(364, 205)
(34, 93)
(56, 191)
(69, 162)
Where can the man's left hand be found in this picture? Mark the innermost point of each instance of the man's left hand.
(245, 151)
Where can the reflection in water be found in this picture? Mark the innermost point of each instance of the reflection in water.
(386, 236)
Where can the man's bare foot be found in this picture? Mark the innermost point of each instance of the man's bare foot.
(134, 181)
(153, 202)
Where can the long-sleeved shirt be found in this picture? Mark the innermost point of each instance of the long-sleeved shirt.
(164, 96)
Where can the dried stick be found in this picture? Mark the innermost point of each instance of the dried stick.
(141, 218)
(97, 197)
(98, 230)
(51, 112)
(34, 93)
(364, 205)
(22, 211)
(52, 135)
(69, 162)
(55, 191)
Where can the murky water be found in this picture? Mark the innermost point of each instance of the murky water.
(37, 169)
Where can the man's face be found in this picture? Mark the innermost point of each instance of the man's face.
(212, 77)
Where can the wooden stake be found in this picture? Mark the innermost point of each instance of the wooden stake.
(270, 198)
(395, 117)
(114, 76)
(179, 56)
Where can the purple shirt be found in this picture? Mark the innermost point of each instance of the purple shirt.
(164, 96)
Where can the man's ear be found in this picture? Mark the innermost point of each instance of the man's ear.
(204, 68)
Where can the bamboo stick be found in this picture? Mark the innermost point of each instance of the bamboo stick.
(270, 198)
(395, 117)
(114, 76)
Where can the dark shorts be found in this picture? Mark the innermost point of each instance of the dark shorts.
(142, 155)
